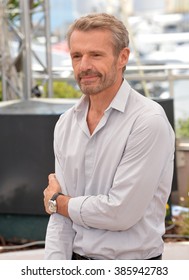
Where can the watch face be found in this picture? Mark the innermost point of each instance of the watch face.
(52, 206)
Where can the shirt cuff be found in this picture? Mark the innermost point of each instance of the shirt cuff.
(75, 210)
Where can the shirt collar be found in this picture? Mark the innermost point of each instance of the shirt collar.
(118, 103)
(120, 99)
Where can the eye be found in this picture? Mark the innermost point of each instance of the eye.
(76, 56)
(96, 54)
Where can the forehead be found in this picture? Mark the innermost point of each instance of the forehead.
(93, 39)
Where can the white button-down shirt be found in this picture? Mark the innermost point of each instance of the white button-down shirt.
(119, 179)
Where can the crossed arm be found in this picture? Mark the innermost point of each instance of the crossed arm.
(62, 200)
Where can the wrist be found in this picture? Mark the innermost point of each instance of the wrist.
(62, 205)
(52, 203)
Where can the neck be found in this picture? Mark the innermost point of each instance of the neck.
(100, 102)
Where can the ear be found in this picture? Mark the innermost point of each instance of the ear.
(124, 57)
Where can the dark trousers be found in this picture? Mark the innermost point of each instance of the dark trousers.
(79, 257)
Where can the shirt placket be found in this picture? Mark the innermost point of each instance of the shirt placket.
(89, 161)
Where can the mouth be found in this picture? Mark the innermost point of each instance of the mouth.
(86, 77)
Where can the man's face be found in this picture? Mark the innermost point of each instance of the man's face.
(95, 65)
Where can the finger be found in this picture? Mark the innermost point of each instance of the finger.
(45, 191)
(52, 176)
(46, 207)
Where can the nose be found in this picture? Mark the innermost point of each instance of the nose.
(85, 63)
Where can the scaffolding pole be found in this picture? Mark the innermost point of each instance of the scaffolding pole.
(18, 31)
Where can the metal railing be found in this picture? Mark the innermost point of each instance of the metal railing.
(150, 73)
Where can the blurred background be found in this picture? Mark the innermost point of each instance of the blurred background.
(37, 85)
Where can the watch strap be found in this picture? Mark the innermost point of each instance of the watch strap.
(55, 195)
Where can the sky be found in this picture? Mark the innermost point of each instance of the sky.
(60, 11)
(65, 11)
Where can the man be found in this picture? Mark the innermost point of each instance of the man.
(114, 155)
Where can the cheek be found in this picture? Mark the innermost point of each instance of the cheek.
(75, 69)
(74, 65)
(105, 66)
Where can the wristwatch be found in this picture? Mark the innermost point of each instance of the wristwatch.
(52, 202)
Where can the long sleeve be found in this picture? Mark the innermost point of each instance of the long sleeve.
(145, 163)
(59, 235)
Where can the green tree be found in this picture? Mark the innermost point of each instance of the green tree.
(183, 128)
(63, 90)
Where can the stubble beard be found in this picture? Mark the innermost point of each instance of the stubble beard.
(104, 82)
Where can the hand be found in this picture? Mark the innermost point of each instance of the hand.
(52, 188)
(62, 200)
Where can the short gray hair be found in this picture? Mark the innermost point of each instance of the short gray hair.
(103, 21)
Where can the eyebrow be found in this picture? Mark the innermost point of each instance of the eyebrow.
(89, 52)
